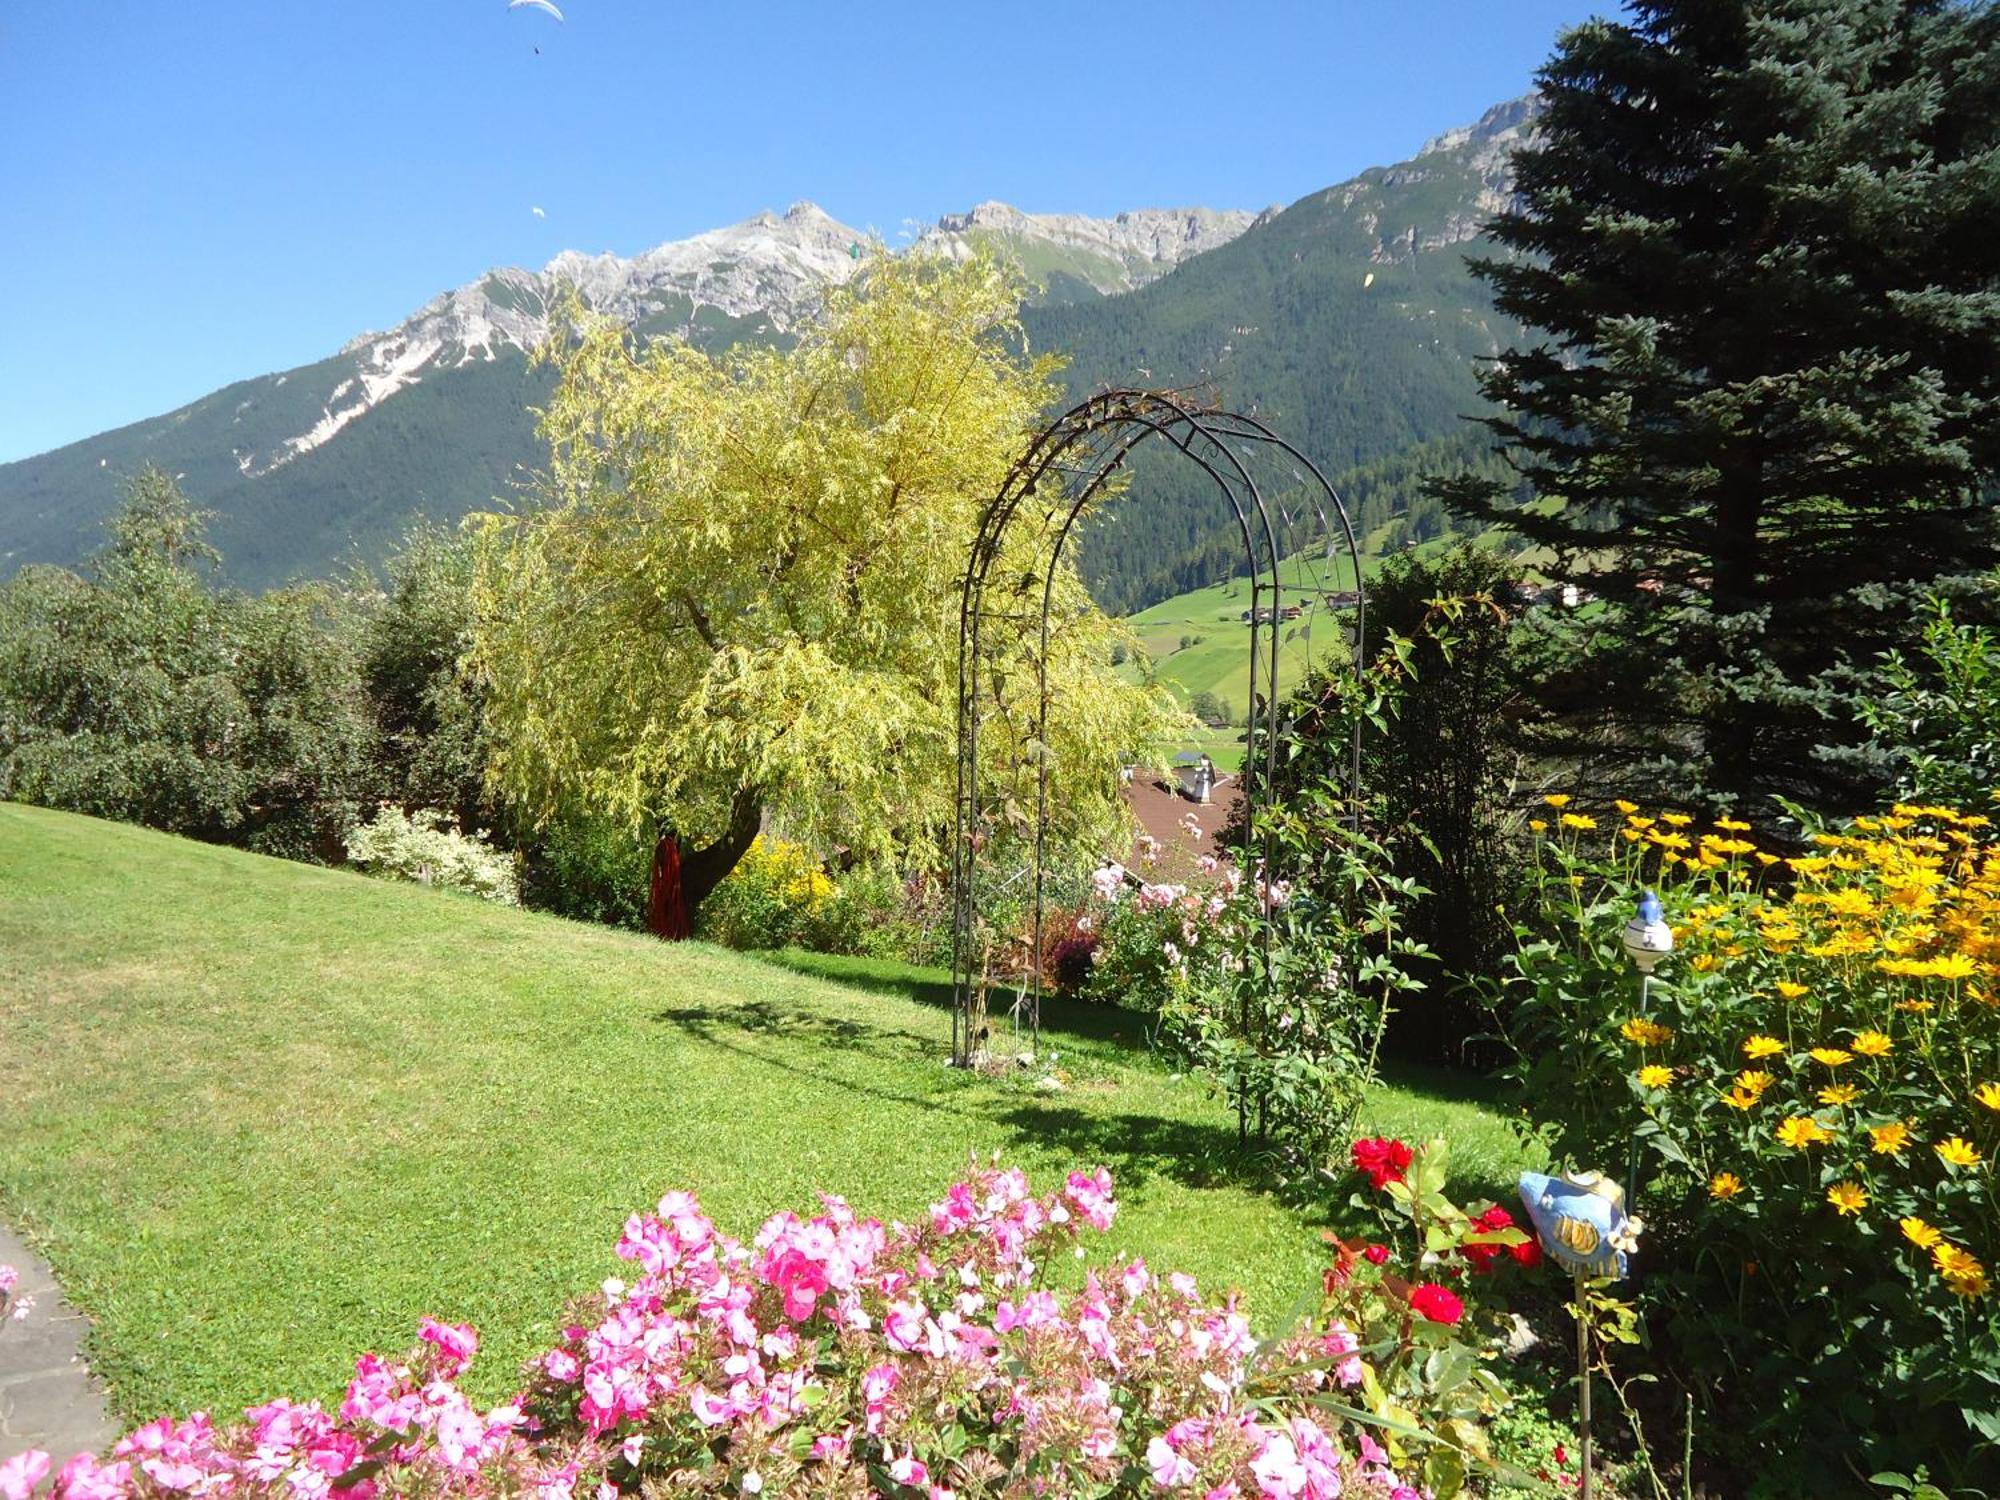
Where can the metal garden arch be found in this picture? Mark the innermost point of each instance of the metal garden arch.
(1055, 482)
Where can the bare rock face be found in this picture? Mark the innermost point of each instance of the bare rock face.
(1114, 255)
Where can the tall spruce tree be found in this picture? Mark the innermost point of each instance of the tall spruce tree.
(1760, 243)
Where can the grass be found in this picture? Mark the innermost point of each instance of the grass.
(261, 1116)
(1219, 661)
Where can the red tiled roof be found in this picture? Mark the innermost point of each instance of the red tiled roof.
(1160, 807)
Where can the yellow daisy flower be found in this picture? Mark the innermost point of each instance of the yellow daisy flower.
(1957, 1151)
(1890, 1139)
(1801, 1131)
(1871, 1043)
(1920, 1234)
(1839, 1093)
(1628, 808)
(1762, 1046)
(1557, 799)
(1724, 1185)
(1790, 991)
(1679, 820)
(1578, 820)
(1847, 1198)
(1833, 1057)
(1655, 1077)
(1988, 1094)
(1646, 1033)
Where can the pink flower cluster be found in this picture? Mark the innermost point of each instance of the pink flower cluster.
(833, 1355)
(12, 1304)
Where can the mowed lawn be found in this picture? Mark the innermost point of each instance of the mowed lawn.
(262, 1116)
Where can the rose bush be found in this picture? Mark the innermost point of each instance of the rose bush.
(1811, 1103)
(837, 1355)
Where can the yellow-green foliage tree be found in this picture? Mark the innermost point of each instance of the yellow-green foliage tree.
(738, 599)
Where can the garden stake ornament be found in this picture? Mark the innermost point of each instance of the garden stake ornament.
(1581, 1221)
(1647, 939)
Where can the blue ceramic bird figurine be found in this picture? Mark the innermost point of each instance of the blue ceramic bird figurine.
(1581, 1221)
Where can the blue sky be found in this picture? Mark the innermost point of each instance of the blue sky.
(195, 193)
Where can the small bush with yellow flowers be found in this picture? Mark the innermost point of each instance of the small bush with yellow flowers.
(1808, 1104)
(777, 896)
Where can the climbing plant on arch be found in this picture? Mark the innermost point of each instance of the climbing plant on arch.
(1065, 471)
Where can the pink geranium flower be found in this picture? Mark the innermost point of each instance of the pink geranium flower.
(20, 1474)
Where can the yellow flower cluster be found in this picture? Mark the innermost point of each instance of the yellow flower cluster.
(1873, 957)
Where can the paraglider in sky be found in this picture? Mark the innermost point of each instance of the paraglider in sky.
(543, 5)
(1367, 281)
(538, 212)
(854, 250)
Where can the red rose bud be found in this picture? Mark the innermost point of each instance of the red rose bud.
(1376, 1255)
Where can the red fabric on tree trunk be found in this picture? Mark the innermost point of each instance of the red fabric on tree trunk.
(666, 909)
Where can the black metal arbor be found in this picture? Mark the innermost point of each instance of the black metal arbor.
(1055, 482)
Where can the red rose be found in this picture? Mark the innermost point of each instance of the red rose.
(1376, 1255)
(1436, 1303)
(1381, 1161)
(1495, 1217)
(1527, 1253)
(1481, 1257)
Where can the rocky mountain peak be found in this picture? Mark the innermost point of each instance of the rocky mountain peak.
(1113, 255)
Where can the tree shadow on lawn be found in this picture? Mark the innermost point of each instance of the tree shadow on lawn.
(1138, 1147)
(932, 987)
(715, 1024)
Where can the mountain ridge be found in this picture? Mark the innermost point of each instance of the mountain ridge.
(321, 463)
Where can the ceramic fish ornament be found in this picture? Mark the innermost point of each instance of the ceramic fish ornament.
(1581, 1221)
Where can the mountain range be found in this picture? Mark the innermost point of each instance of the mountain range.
(1346, 319)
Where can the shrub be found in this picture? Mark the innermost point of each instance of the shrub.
(1147, 940)
(1069, 949)
(425, 847)
(139, 692)
(1934, 715)
(429, 712)
(776, 897)
(839, 1356)
(780, 896)
(1812, 1104)
(589, 869)
(1208, 707)
(1300, 976)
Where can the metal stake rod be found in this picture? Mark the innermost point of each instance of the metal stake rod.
(1583, 1390)
(1632, 1147)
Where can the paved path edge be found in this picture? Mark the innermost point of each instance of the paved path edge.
(48, 1397)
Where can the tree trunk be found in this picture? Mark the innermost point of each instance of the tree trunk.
(702, 870)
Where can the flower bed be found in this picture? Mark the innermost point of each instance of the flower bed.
(1812, 1099)
(840, 1356)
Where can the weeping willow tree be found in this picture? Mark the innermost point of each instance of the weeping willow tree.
(736, 604)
